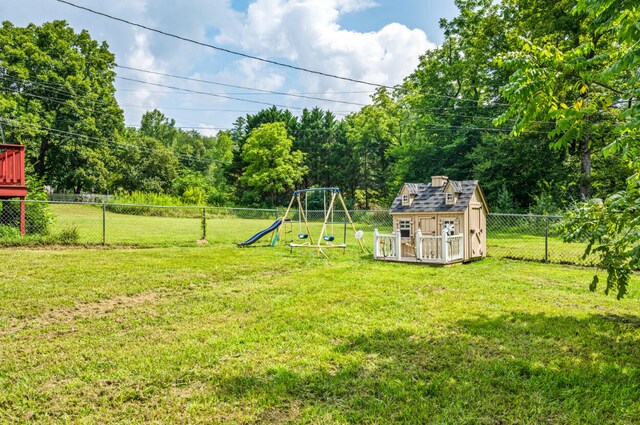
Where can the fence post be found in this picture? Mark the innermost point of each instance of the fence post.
(419, 244)
(277, 213)
(375, 243)
(104, 223)
(546, 239)
(399, 246)
(203, 223)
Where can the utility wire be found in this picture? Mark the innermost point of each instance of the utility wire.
(261, 91)
(222, 49)
(437, 111)
(97, 141)
(207, 93)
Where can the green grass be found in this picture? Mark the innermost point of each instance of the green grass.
(218, 334)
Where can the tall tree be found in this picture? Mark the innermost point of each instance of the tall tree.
(57, 84)
(315, 136)
(155, 124)
(373, 133)
(272, 167)
(145, 165)
(589, 87)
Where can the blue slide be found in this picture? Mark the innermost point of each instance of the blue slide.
(261, 233)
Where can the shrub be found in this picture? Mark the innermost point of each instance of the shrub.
(68, 236)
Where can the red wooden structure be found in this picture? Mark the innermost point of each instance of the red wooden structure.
(12, 184)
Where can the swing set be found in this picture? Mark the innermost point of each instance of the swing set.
(325, 239)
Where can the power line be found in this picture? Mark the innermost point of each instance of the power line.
(437, 111)
(189, 91)
(206, 93)
(222, 49)
(404, 120)
(97, 141)
(260, 91)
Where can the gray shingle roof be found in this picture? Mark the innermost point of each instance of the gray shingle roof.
(414, 188)
(432, 199)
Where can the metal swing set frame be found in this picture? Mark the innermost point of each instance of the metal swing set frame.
(323, 241)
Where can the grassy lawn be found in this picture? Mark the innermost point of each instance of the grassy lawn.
(218, 334)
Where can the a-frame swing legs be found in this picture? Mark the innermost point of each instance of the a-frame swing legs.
(302, 214)
(353, 226)
(281, 226)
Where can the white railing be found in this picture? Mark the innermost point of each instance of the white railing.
(430, 249)
(439, 249)
(455, 247)
(387, 246)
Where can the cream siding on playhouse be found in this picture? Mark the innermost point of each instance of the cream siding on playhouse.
(431, 206)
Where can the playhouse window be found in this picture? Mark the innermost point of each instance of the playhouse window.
(449, 198)
(452, 226)
(405, 199)
(405, 228)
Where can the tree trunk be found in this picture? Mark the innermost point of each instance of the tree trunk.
(585, 168)
(40, 166)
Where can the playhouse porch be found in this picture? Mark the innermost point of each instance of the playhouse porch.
(434, 250)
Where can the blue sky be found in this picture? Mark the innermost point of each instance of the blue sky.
(377, 41)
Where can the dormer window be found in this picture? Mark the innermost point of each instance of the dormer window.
(405, 199)
(450, 198)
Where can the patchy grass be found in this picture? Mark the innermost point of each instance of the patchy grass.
(217, 334)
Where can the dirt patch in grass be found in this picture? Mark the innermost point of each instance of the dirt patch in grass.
(67, 315)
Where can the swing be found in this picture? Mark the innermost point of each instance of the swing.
(328, 238)
(300, 234)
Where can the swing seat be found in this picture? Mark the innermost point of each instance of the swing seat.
(328, 238)
(302, 236)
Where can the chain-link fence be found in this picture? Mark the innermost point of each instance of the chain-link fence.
(526, 237)
(532, 237)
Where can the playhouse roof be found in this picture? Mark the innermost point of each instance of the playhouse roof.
(432, 199)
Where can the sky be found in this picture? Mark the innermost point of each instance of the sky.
(377, 41)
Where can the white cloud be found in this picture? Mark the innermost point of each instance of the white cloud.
(207, 130)
(307, 33)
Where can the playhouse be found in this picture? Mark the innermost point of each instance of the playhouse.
(440, 222)
(12, 182)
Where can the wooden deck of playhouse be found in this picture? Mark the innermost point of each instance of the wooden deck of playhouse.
(12, 179)
(429, 250)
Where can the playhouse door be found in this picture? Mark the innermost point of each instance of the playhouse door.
(427, 225)
(476, 232)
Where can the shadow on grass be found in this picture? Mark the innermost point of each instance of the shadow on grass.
(511, 369)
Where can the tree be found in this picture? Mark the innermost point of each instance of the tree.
(449, 102)
(373, 133)
(272, 167)
(58, 99)
(155, 124)
(145, 164)
(586, 87)
(243, 128)
(556, 78)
